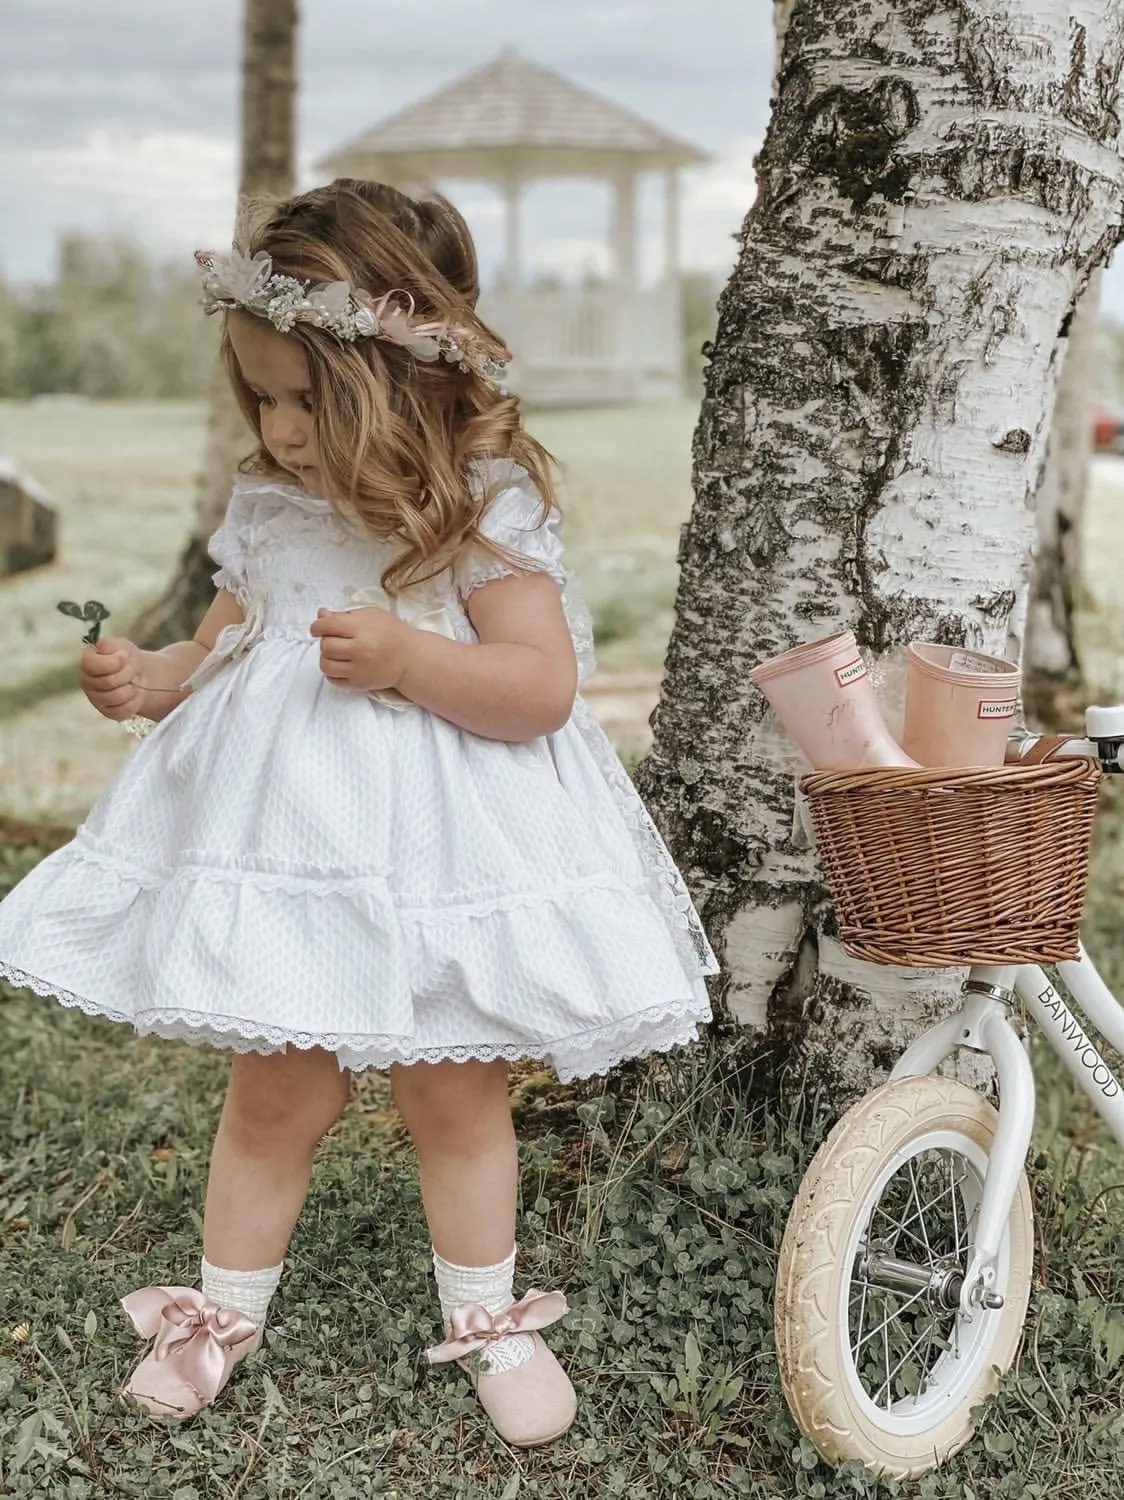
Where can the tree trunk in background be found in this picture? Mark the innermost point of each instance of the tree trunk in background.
(782, 15)
(935, 185)
(268, 169)
(1052, 658)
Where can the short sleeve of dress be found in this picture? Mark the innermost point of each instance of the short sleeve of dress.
(514, 519)
(228, 546)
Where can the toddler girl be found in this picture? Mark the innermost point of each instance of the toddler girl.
(373, 826)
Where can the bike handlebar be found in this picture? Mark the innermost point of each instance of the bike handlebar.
(1027, 749)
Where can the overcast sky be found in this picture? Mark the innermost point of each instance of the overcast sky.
(120, 115)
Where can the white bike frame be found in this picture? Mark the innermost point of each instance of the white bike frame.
(984, 1024)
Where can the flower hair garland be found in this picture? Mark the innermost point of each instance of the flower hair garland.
(249, 283)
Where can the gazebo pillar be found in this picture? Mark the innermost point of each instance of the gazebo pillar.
(622, 331)
(624, 231)
(513, 206)
(671, 225)
(674, 292)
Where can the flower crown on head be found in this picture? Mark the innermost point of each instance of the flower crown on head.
(248, 282)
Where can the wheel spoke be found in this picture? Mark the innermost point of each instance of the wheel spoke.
(887, 1384)
(924, 1213)
(895, 1313)
(902, 1225)
(920, 1210)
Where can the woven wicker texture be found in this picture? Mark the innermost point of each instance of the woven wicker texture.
(940, 867)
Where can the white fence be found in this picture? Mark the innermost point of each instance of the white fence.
(576, 347)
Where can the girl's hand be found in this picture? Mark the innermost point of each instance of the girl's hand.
(110, 674)
(364, 649)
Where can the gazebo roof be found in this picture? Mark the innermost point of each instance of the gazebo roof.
(509, 119)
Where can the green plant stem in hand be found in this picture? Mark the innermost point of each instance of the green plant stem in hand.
(92, 612)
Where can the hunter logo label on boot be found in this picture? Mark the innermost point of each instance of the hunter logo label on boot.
(844, 676)
(988, 710)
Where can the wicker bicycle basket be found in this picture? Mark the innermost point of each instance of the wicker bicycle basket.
(938, 867)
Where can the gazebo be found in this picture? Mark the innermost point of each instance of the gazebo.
(511, 123)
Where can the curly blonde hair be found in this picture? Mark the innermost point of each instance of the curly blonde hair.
(395, 436)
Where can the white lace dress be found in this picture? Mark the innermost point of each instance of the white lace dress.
(285, 861)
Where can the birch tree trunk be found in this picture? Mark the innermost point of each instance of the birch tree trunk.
(268, 167)
(1052, 659)
(937, 182)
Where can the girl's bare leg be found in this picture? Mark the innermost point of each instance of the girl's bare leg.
(277, 1108)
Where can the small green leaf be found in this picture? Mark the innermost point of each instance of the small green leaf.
(90, 1326)
(95, 610)
(68, 607)
(29, 1430)
(1113, 1342)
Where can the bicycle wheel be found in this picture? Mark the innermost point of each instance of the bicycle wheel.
(873, 1369)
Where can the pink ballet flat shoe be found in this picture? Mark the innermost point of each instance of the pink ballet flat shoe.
(197, 1346)
(533, 1403)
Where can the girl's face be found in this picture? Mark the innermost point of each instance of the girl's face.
(276, 370)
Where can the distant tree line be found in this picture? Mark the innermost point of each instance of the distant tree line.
(114, 322)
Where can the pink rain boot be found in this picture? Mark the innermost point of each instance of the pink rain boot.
(958, 706)
(823, 696)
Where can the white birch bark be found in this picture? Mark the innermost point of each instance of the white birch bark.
(937, 182)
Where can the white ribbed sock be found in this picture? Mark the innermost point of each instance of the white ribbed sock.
(247, 1291)
(491, 1286)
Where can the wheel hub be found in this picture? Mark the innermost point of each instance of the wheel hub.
(939, 1286)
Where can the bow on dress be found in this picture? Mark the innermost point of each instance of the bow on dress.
(232, 641)
(412, 609)
(192, 1337)
(472, 1327)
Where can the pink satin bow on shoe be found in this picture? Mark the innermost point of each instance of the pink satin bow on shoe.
(192, 1356)
(472, 1327)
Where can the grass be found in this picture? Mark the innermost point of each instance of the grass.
(659, 1204)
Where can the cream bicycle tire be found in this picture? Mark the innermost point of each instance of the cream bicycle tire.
(839, 1196)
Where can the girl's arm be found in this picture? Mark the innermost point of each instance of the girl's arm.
(516, 683)
(162, 672)
(121, 680)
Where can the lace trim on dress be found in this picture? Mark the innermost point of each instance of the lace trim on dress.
(580, 1056)
(687, 930)
(574, 607)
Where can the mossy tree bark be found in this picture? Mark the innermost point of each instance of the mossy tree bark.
(937, 185)
(268, 166)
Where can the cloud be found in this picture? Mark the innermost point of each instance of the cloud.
(171, 190)
(96, 97)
